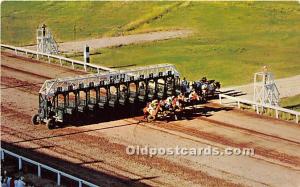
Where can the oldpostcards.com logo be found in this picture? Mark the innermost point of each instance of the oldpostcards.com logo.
(182, 151)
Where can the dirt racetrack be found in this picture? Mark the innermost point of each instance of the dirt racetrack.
(96, 152)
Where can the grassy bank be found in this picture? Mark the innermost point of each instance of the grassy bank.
(71, 20)
(291, 102)
(230, 41)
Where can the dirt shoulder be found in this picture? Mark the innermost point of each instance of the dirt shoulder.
(77, 46)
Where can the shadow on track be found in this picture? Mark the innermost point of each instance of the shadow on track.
(78, 170)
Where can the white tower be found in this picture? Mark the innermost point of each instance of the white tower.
(45, 41)
(265, 89)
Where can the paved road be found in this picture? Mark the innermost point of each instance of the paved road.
(120, 40)
(287, 87)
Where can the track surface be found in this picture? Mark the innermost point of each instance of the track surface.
(96, 152)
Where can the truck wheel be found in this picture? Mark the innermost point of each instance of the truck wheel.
(35, 119)
(50, 124)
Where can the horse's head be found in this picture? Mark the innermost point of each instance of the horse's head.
(218, 85)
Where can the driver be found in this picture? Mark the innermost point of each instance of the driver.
(169, 102)
(152, 105)
(193, 95)
(184, 84)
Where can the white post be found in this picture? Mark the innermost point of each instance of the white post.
(60, 62)
(257, 109)
(73, 65)
(58, 179)
(98, 70)
(297, 118)
(239, 105)
(80, 184)
(86, 54)
(220, 98)
(276, 113)
(39, 170)
(37, 56)
(20, 163)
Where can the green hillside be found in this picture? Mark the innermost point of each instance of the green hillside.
(230, 41)
(70, 20)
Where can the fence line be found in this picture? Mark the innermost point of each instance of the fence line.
(40, 166)
(60, 58)
(259, 106)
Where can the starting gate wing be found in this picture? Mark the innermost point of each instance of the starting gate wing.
(50, 87)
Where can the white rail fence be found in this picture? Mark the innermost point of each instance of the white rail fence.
(42, 166)
(61, 59)
(259, 108)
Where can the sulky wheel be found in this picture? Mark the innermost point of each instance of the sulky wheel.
(50, 124)
(35, 119)
(150, 118)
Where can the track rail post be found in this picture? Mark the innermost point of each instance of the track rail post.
(2, 154)
(20, 163)
(58, 178)
(39, 170)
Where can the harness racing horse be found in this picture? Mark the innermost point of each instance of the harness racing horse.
(171, 107)
(194, 99)
(210, 87)
(151, 111)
